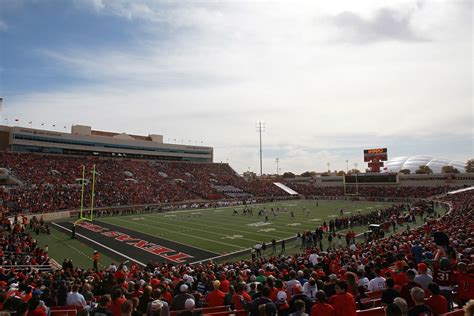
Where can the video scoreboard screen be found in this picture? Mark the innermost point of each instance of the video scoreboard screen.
(375, 154)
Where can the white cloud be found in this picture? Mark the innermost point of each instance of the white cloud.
(216, 68)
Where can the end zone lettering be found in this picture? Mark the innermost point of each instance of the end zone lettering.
(164, 252)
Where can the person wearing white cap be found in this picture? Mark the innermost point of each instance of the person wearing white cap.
(179, 300)
(189, 304)
(157, 307)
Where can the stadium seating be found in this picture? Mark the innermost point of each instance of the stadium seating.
(377, 311)
(207, 310)
(458, 312)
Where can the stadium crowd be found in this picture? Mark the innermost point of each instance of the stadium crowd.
(53, 182)
(423, 271)
(370, 191)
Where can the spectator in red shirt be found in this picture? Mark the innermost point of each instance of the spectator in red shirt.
(117, 301)
(437, 302)
(225, 284)
(215, 297)
(343, 302)
(37, 308)
(321, 308)
(465, 282)
(239, 292)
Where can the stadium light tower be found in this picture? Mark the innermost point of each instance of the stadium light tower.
(357, 183)
(1, 112)
(277, 160)
(260, 128)
(347, 166)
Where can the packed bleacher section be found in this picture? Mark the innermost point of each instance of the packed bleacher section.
(369, 191)
(53, 182)
(424, 271)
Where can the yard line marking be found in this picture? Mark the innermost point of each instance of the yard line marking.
(74, 248)
(192, 236)
(101, 245)
(245, 220)
(223, 225)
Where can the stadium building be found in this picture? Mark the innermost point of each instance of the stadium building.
(83, 140)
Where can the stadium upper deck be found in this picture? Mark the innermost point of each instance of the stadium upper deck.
(83, 140)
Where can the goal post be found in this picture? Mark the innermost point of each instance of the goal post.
(350, 188)
(88, 216)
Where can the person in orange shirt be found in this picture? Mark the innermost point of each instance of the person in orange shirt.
(321, 308)
(27, 296)
(215, 297)
(343, 302)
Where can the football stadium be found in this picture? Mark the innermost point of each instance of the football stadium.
(160, 202)
(88, 201)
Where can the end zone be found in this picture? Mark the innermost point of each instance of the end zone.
(133, 245)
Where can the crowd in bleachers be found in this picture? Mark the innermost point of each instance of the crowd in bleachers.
(424, 270)
(53, 182)
(369, 191)
(17, 245)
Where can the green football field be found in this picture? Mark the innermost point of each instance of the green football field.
(216, 230)
(219, 231)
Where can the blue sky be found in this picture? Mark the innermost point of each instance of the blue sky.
(329, 78)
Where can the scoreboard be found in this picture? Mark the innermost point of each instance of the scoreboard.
(379, 154)
(375, 158)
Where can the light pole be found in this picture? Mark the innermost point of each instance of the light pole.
(347, 166)
(277, 160)
(329, 169)
(357, 183)
(260, 128)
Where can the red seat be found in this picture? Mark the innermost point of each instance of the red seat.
(377, 311)
(224, 313)
(240, 312)
(458, 312)
(375, 294)
(63, 312)
(205, 310)
(377, 302)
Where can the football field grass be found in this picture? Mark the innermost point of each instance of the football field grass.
(215, 230)
(219, 231)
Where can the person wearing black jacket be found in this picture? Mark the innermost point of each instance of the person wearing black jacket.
(61, 293)
(102, 309)
(389, 294)
(262, 302)
(299, 295)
